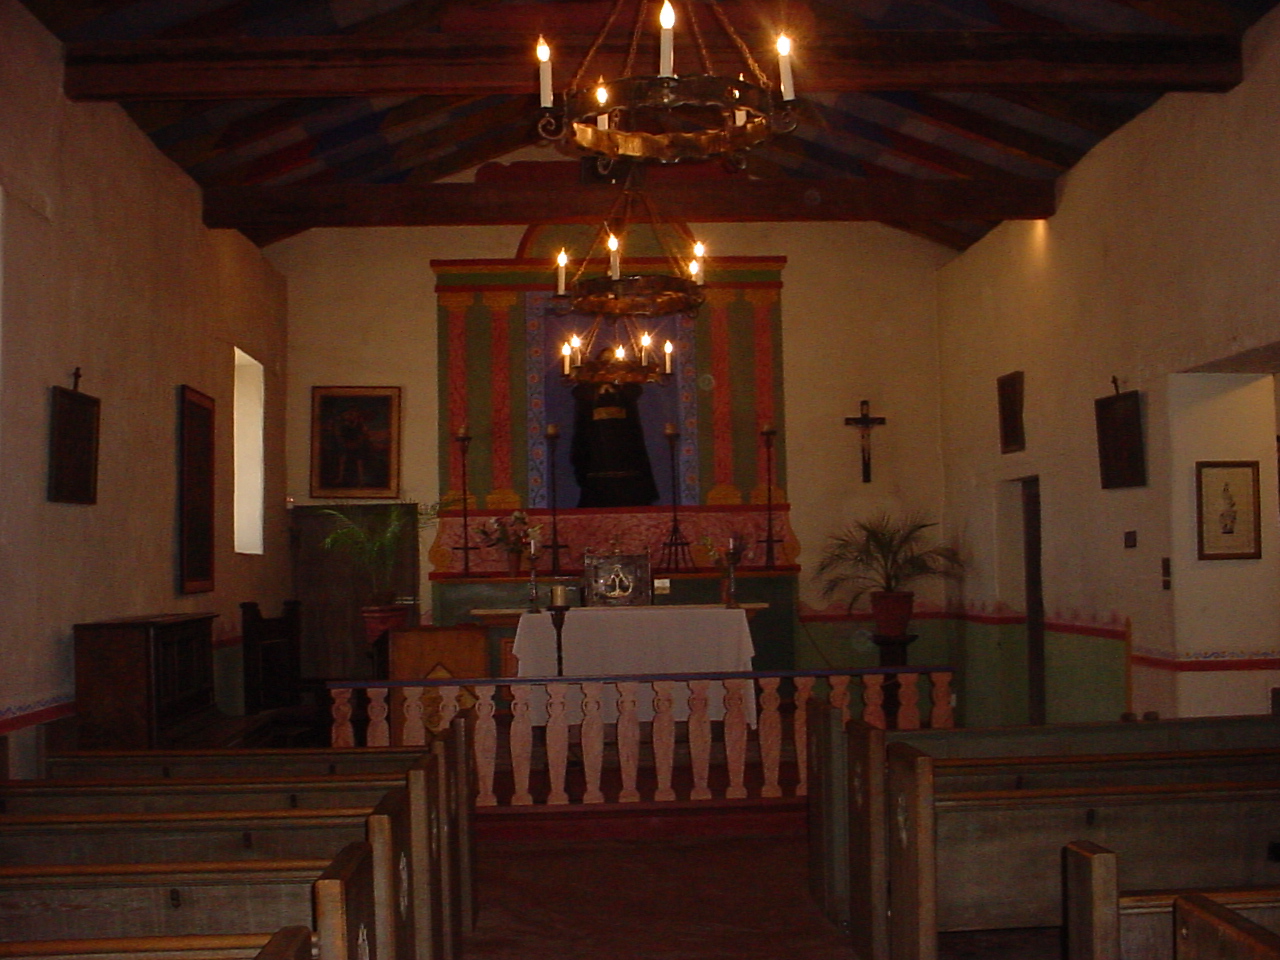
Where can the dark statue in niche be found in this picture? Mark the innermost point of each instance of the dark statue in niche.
(608, 454)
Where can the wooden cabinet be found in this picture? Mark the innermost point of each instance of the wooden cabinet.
(143, 682)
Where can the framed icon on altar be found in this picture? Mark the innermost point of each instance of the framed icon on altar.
(616, 580)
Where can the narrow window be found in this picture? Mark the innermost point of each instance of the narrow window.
(249, 453)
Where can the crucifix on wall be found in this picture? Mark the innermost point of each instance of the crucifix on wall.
(865, 422)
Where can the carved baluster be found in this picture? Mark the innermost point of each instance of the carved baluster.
(415, 730)
(521, 744)
(628, 742)
(486, 746)
(699, 739)
(770, 735)
(940, 717)
(341, 734)
(873, 699)
(379, 733)
(592, 741)
(557, 742)
(800, 733)
(840, 696)
(908, 701)
(664, 738)
(448, 708)
(735, 736)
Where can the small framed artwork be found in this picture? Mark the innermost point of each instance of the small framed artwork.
(616, 580)
(1122, 456)
(73, 446)
(1009, 393)
(355, 442)
(195, 491)
(1228, 518)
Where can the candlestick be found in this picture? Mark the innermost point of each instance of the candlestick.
(544, 72)
(667, 348)
(576, 342)
(615, 258)
(602, 98)
(565, 355)
(645, 340)
(562, 261)
(559, 595)
(666, 55)
(784, 67)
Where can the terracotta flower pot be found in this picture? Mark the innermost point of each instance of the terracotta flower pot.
(379, 619)
(892, 612)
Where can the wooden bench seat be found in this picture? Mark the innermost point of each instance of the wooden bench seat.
(120, 764)
(287, 943)
(1104, 923)
(187, 836)
(155, 899)
(195, 793)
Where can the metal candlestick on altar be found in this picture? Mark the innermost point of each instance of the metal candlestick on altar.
(675, 549)
(533, 579)
(553, 440)
(767, 433)
(557, 620)
(463, 440)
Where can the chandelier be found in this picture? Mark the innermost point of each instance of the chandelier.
(619, 345)
(666, 117)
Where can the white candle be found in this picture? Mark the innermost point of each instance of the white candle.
(784, 67)
(562, 261)
(544, 72)
(559, 595)
(602, 98)
(695, 271)
(695, 268)
(667, 348)
(666, 54)
(645, 340)
(576, 342)
(533, 546)
(565, 351)
(620, 352)
(615, 258)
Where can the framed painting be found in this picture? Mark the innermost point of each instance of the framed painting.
(355, 442)
(1228, 515)
(1122, 455)
(73, 447)
(195, 491)
(1009, 394)
(616, 580)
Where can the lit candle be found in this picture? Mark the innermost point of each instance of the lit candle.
(695, 268)
(695, 271)
(602, 98)
(533, 546)
(670, 430)
(667, 348)
(620, 352)
(784, 67)
(576, 342)
(615, 258)
(553, 431)
(544, 72)
(562, 261)
(463, 433)
(565, 354)
(645, 340)
(666, 55)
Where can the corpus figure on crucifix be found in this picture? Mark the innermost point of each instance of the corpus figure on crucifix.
(864, 423)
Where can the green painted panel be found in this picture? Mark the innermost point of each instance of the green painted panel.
(1085, 678)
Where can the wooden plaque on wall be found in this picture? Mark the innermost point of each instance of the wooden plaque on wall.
(73, 446)
(1122, 455)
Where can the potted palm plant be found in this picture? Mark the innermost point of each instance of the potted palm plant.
(881, 557)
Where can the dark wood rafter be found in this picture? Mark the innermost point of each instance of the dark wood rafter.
(1204, 16)
(354, 65)
(444, 204)
(1093, 115)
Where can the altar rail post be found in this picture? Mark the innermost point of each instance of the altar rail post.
(564, 717)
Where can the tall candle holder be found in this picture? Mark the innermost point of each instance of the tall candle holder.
(767, 434)
(553, 441)
(675, 549)
(463, 439)
(533, 577)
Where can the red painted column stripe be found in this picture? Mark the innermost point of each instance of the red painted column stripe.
(721, 395)
(500, 304)
(762, 304)
(455, 309)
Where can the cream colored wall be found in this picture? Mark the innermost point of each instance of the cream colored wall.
(106, 266)
(858, 322)
(1162, 257)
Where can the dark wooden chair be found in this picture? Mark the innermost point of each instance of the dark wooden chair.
(272, 658)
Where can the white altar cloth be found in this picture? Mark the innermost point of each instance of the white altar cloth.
(611, 641)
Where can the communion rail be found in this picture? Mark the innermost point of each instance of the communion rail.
(571, 714)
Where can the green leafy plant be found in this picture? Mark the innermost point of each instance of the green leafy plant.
(885, 554)
(372, 540)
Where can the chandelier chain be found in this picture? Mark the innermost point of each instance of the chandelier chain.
(761, 79)
(697, 39)
(636, 30)
(575, 83)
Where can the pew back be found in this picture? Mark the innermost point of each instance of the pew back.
(1209, 931)
(346, 907)
(119, 764)
(288, 943)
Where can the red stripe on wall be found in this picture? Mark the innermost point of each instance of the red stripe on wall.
(500, 305)
(24, 720)
(721, 396)
(1206, 666)
(762, 304)
(455, 308)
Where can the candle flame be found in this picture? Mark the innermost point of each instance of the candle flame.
(544, 51)
(784, 45)
(562, 259)
(699, 249)
(667, 348)
(564, 349)
(620, 352)
(667, 18)
(613, 242)
(602, 94)
(575, 341)
(645, 340)
(693, 268)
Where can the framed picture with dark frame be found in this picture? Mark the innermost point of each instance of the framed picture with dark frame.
(195, 491)
(1228, 514)
(1009, 393)
(616, 580)
(355, 442)
(1122, 455)
(73, 446)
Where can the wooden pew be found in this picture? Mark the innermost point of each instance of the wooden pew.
(140, 900)
(189, 836)
(1209, 931)
(984, 860)
(120, 764)
(287, 943)
(346, 906)
(1103, 923)
(196, 793)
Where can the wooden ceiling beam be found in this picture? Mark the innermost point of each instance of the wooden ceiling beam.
(263, 210)
(350, 65)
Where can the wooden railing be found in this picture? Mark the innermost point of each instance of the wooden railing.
(568, 714)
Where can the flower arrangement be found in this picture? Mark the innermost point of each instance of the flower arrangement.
(731, 555)
(513, 534)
